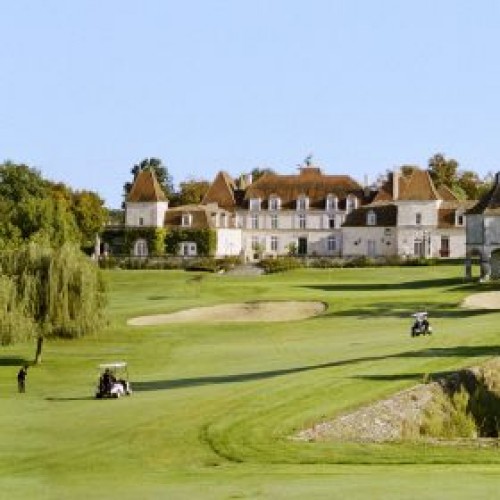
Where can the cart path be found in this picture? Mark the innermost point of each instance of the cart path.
(235, 313)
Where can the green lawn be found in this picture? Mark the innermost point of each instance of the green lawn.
(214, 405)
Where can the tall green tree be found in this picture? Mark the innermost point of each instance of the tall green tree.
(442, 170)
(192, 191)
(90, 215)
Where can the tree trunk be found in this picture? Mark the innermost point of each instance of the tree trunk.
(38, 353)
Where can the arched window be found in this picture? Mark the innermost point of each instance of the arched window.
(141, 248)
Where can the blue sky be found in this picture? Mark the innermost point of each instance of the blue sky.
(90, 87)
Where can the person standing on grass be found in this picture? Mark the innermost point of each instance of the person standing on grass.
(21, 378)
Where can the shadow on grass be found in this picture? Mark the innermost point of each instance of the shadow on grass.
(418, 377)
(13, 361)
(63, 400)
(458, 351)
(405, 285)
(402, 310)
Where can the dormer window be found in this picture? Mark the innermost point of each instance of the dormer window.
(187, 220)
(351, 203)
(254, 203)
(274, 203)
(371, 218)
(332, 202)
(459, 218)
(302, 203)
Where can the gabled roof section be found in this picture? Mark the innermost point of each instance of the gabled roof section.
(221, 191)
(419, 187)
(146, 188)
(414, 185)
(488, 204)
(310, 182)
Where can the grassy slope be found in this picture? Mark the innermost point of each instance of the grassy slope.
(214, 404)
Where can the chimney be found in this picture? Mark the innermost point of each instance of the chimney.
(249, 179)
(366, 187)
(395, 184)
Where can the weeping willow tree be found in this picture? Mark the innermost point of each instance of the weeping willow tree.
(58, 291)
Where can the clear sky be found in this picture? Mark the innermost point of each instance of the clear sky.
(90, 87)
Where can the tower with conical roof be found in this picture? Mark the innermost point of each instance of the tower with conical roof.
(146, 203)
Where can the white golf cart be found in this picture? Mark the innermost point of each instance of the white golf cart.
(421, 325)
(113, 381)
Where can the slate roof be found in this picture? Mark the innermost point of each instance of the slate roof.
(386, 216)
(146, 188)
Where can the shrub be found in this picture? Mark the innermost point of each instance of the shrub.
(280, 264)
(449, 417)
(327, 263)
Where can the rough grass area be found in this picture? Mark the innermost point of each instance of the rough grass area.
(215, 404)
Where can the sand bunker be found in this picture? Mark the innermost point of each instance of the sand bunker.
(484, 300)
(236, 313)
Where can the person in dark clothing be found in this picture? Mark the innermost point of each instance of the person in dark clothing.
(21, 378)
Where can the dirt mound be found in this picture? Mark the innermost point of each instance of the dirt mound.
(236, 313)
(401, 416)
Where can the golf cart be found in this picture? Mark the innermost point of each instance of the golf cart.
(113, 381)
(421, 325)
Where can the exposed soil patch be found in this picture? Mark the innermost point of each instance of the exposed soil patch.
(235, 313)
(483, 300)
(401, 416)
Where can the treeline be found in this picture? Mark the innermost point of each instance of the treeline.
(48, 286)
(38, 210)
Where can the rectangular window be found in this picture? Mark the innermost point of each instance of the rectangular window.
(274, 243)
(274, 204)
(186, 220)
(444, 251)
(331, 222)
(302, 203)
(418, 218)
(255, 204)
(302, 221)
(274, 221)
(141, 221)
(255, 243)
(332, 244)
(255, 221)
(418, 248)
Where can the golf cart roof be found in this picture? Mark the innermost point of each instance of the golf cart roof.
(113, 366)
(419, 314)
